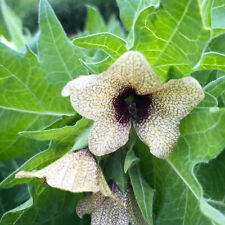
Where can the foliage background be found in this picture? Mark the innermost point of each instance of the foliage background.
(178, 38)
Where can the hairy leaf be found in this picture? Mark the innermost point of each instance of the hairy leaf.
(129, 10)
(172, 36)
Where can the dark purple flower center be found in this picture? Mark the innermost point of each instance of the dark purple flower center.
(130, 105)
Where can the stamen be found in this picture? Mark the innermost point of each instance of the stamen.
(128, 105)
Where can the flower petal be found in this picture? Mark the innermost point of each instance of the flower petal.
(178, 97)
(107, 136)
(74, 172)
(91, 96)
(133, 70)
(159, 132)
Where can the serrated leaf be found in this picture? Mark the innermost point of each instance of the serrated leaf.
(143, 193)
(55, 151)
(30, 96)
(17, 92)
(24, 100)
(129, 10)
(176, 40)
(202, 138)
(58, 56)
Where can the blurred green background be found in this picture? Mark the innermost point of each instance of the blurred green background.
(71, 13)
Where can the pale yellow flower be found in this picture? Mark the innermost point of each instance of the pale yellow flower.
(129, 89)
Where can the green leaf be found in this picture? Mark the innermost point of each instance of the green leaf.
(216, 87)
(217, 44)
(172, 36)
(58, 56)
(130, 160)
(24, 100)
(80, 141)
(143, 193)
(64, 134)
(14, 196)
(110, 43)
(129, 10)
(218, 14)
(42, 197)
(98, 62)
(211, 176)
(202, 138)
(218, 31)
(114, 168)
(206, 8)
(30, 96)
(57, 148)
(45, 196)
(40, 208)
(100, 66)
(208, 101)
(206, 76)
(14, 26)
(115, 27)
(214, 58)
(95, 22)
(212, 61)
(64, 121)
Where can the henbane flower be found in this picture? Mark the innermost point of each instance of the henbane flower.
(130, 89)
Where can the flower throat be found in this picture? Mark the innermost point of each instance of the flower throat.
(128, 105)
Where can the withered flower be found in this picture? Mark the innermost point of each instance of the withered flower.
(129, 89)
(107, 211)
(74, 172)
